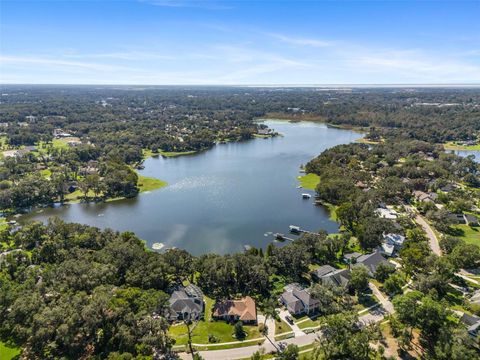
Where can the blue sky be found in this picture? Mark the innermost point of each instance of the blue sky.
(239, 42)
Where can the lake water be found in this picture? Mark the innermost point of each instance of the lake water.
(466, 153)
(221, 199)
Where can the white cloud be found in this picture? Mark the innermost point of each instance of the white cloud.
(34, 60)
(132, 55)
(414, 65)
(301, 41)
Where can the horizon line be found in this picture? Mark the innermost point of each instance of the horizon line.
(339, 85)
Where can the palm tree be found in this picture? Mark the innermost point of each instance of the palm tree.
(268, 307)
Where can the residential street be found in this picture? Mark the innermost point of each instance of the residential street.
(375, 315)
(432, 238)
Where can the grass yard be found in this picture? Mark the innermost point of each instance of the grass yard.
(366, 141)
(149, 153)
(309, 181)
(281, 327)
(208, 307)
(150, 184)
(220, 329)
(310, 323)
(453, 146)
(471, 235)
(7, 352)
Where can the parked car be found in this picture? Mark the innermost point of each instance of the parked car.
(289, 319)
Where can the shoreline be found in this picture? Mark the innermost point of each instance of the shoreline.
(452, 146)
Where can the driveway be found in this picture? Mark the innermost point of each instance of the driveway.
(283, 314)
(386, 304)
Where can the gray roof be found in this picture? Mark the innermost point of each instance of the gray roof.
(353, 255)
(323, 270)
(339, 277)
(371, 261)
(469, 320)
(331, 276)
(305, 297)
(186, 300)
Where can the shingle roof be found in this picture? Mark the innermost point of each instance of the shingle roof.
(323, 270)
(245, 309)
(339, 277)
(371, 261)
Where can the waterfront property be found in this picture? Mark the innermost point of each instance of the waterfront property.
(298, 300)
(371, 261)
(243, 310)
(328, 275)
(186, 303)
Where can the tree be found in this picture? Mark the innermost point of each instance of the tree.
(465, 256)
(370, 231)
(342, 338)
(290, 352)
(393, 285)
(358, 278)
(383, 271)
(239, 331)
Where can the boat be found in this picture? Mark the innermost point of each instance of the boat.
(294, 229)
(157, 246)
(279, 236)
(306, 196)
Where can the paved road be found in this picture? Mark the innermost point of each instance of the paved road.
(432, 238)
(375, 315)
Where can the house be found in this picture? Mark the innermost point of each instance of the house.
(387, 213)
(471, 220)
(351, 258)
(243, 310)
(457, 218)
(31, 118)
(298, 300)
(328, 275)
(447, 188)
(475, 299)
(59, 133)
(186, 303)
(387, 249)
(74, 142)
(472, 323)
(371, 261)
(18, 153)
(391, 243)
(424, 197)
(11, 154)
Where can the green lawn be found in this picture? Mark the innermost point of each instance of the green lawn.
(220, 329)
(150, 184)
(149, 153)
(471, 235)
(309, 181)
(208, 307)
(281, 327)
(453, 146)
(310, 323)
(7, 352)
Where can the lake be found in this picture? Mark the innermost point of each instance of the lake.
(222, 199)
(466, 153)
